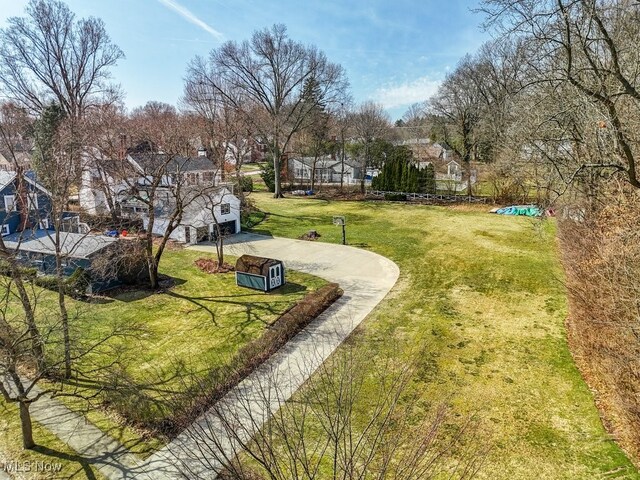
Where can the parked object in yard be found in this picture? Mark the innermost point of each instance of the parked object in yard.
(311, 235)
(521, 210)
(259, 273)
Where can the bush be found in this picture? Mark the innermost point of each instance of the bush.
(245, 184)
(74, 285)
(268, 175)
(395, 197)
(601, 256)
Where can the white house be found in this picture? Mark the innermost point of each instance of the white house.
(203, 217)
(208, 203)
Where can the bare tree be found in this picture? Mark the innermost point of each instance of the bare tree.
(343, 424)
(369, 122)
(158, 177)
(270, 71)
(48, 56)
(583, 62)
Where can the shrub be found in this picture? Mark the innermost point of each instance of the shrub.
(245, 184)
(395, 197)
(268, 176)
(601, 256)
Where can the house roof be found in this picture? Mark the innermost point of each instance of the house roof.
(6, 178)
(149, 162)
(75, 245)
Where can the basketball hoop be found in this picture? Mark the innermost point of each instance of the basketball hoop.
(341, 222)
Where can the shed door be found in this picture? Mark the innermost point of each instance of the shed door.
(275, 276)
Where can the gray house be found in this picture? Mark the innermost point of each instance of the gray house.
(326, 170)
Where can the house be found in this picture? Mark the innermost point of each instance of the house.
(248, 150)
(27, 229)
(106, 183)
(205, 213)
(34, 209)
(37, 248)
(207, 201)
(327, 170)
(449, 173)
(20, 153)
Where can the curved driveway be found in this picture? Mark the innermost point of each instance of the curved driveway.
(365, 277)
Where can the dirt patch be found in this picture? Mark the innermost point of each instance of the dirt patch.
(311, 236)
(209, 265)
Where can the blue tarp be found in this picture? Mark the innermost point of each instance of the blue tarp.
(525, 210)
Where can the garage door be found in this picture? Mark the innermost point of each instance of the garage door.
(226, 228)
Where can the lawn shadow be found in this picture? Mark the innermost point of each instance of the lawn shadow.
(133, 293)
(359, 245)
(288, 288)
(84, 464)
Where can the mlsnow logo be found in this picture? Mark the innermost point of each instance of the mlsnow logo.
(18, 467)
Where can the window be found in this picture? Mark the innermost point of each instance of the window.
(9, 203)
(5, 230)
(44, 224)
(225, 209)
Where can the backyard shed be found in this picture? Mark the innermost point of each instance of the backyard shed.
(259, 273)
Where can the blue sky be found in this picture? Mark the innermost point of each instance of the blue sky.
(394, 52)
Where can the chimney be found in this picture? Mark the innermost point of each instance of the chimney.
(202, 152)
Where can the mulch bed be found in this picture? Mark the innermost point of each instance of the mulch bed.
(209, 265)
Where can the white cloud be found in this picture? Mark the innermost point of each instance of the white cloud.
(190, 17)
(407, 93)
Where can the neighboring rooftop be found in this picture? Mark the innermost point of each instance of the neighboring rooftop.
(74, 245)
(176, 163)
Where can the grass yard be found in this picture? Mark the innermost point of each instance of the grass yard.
(484, 295)
(66, 463)
(185, 333)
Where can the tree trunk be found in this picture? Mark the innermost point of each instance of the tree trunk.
(313, 173)
(62, 306)
(220, 249)
(342, 155)
(27, 308)
(27, 429)
(153, 272)
(64, 319)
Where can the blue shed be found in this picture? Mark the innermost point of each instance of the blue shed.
(259, 273)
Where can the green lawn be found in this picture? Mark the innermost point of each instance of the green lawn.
(483, 295)
(183, 334)
(50, 450)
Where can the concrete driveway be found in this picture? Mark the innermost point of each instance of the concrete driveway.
(365, 277)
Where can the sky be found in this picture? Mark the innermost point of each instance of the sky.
(394, 52)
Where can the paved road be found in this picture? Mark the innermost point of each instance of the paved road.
(364, 276)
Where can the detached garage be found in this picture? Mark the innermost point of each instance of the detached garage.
(198, 223)
(259, 273)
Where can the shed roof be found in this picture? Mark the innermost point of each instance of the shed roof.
(75, 245)
(255, 265)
